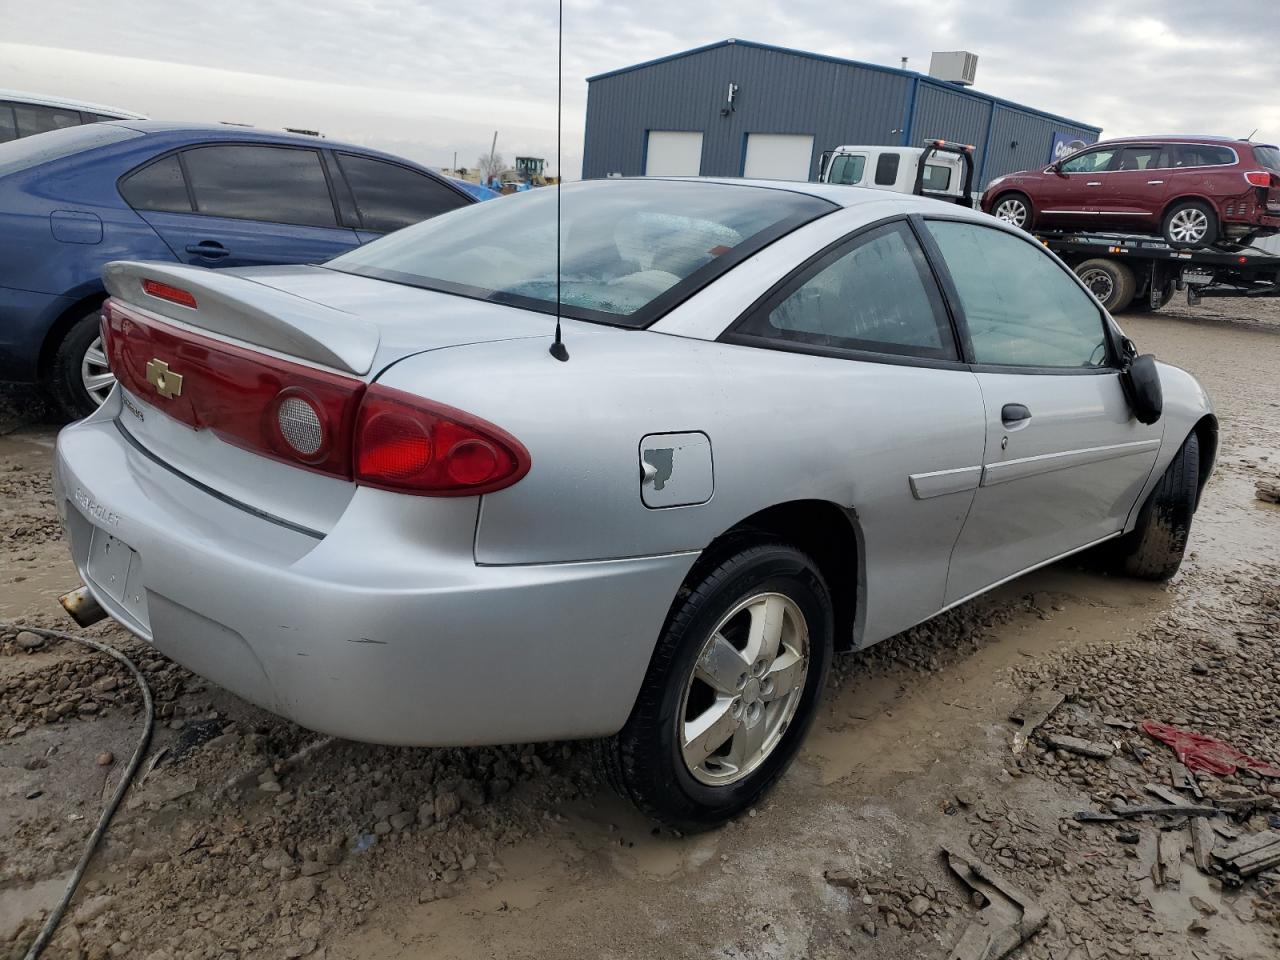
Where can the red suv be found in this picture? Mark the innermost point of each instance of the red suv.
(1194, 191)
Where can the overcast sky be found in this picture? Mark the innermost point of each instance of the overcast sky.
(426, 79)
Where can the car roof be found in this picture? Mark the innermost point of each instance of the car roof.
(834, 193)
(45, 101)
(178, 132)
(1175, 138)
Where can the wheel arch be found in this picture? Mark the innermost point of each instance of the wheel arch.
(826, 532)
(1206, 431)
(1185, 197)
(62, 325)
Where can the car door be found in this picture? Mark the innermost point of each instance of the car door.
(238, 204)
(389, 196)
(1070, 197)
(1065, 459)
(882, 373)
(1133, 194)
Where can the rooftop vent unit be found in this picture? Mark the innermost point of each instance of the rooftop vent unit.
(956, 66)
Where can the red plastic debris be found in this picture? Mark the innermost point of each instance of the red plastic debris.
(1199, 751)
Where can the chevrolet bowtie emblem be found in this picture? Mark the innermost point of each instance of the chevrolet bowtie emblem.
(167, 383)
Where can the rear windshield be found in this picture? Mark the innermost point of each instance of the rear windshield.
(1269, 157)
(630, 249)
(55, 144)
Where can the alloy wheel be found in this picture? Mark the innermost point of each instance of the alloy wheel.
(95, 374)
(1189, 225)
(745, 687)
(1100, 284)
(1012, 210)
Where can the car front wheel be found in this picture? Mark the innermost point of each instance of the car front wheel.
(1013, 208)
(1155, 547)
(732, 688)
(80, 378)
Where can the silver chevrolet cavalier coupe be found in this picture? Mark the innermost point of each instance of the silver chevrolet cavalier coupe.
(793, 418)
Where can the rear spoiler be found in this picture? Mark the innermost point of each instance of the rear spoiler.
(236, 306)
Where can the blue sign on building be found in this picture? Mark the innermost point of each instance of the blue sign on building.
(1064, 145)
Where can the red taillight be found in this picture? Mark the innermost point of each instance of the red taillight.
(411, 445)
(162, 291)
(1260, 178)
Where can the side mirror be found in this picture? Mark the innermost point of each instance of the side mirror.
(1057, 169)
(1140, 379)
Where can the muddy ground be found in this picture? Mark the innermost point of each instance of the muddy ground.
(229, 849)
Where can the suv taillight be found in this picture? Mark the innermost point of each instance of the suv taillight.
(1262, 178)
(411, 445)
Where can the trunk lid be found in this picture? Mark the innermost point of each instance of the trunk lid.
(325, 329)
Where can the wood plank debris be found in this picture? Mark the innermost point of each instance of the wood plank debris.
(1247, 856)
(1085, 748)
(1268, 491)
(1009, 918)
(1038, 706)
(1171, 846)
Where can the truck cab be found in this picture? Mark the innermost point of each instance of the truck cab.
(937, 169)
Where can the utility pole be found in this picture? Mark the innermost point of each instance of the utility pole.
(455, 161)
(493, 152)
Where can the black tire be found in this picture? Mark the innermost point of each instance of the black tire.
(643, 761)
(1154, 549)
(65, 380)
(1013, 197)
(1110, 281)
(1142, 302)
(1168, 226)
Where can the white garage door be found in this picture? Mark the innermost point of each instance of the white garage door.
(778, 156)
(673, 153)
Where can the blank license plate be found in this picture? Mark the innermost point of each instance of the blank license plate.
(115, 569)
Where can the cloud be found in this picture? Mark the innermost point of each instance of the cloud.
(427, 78)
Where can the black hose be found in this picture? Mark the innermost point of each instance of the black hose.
(109, 811)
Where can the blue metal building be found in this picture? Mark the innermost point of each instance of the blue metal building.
(738, 108)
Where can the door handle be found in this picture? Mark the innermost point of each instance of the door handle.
(209, 249)
(1094, 183)
(1014, 415)
(1154, 182)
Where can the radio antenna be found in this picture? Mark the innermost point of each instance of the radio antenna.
(558, 349)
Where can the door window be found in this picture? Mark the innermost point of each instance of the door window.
(875, 294)
(32, 119)
(1023, 308)
(276, 184)
(1144, 158)
(389, 196)
(887, 169)
(1204, 155)
(1091, 161)
(847, 168)
(158, 186)
(8, 126)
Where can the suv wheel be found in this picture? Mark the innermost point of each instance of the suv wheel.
(80, 378)
(1111, 282)
(731, 690)
(1013, 208)
(1189, 224)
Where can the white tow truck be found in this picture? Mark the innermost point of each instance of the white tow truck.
(936, 169)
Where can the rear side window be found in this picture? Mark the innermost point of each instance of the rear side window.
(275, 184)
(157, 186)
(1204, 155)
(33, 119)
(873, 294)
(1268, 157)
(8, 127)
(389, 196)
(847, 169)
(887, 169)
(1145, 158)
(1022, 308)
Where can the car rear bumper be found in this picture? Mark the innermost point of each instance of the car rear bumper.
(364, 633)
(25, 319)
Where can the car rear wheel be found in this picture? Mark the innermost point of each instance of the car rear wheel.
(1110, 282)
(1155, 547)
(731, 690)
(80, 378)
(1189, 224)
(1013, 208)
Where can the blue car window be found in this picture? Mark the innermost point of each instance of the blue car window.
(8, 127)
(275, 184)
(158, 186)
(389, 196)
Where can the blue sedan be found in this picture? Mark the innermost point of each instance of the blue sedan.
(213, 196)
